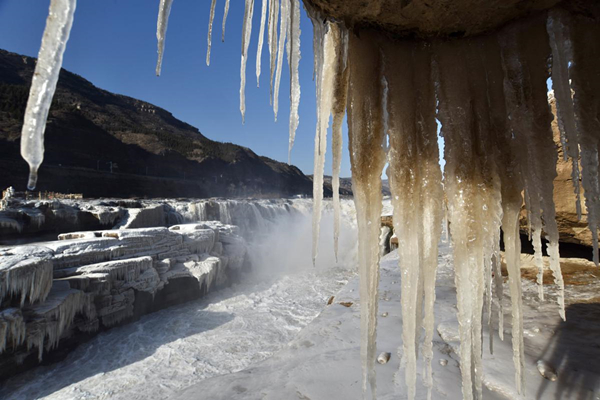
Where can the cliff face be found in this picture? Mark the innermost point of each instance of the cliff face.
(151, 153)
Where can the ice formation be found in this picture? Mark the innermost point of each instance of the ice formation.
(210, 26)
(164, 9)
(261, 38)
(246, 33)
(43, 85)
(225, 12)
(490, 95)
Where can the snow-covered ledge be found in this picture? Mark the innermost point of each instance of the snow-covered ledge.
(55, 292)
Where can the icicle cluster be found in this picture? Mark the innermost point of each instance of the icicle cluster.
(492, 103)
(43, 85)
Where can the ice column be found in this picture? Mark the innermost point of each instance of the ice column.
(43, 85)
(415, 180)
(472, 187)
(367, 157)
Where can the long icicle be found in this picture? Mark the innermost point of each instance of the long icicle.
(246, 34)
(562, 53)
(584, 34)
(261, 37)
(367, 158)
(164, 9)
(273, 15)
(294, 40)
(210, 26)
(415, 181)
(325, 101)
(225, 12)
(284, 17)
(338, 112)
(43, 85)
(525, 51)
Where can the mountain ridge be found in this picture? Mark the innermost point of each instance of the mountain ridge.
(92, 129)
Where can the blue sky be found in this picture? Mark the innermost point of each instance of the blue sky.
(113, 44)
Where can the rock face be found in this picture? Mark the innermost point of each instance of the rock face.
(429, 18)
(571, 230)
(59, 292)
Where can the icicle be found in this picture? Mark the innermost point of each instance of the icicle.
(338, 111)
(585, 80)
(210, 25)
(415, 182)
(225, 19)
(539, 263)
(285, 13)
(331, 43)
(294, 43)
(246, 33)
(273, 15)
(43, 85)
(164, 9)
(261, 37)
(472, 187)
(367, 157)
(562, 53)
(525, 64)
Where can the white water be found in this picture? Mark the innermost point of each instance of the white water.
(222, 333)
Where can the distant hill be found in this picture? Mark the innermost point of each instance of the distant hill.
(346, 186)
(103, 144)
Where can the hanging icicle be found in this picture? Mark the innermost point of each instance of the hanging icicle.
(261, 38)
(285, 13)
(246, 34)
(273, 15)
(43, 85)
(225, 12)
(525, 58)
(415, 182)
(210, 25)
(164, 9)
(367, 158)
(294, 58)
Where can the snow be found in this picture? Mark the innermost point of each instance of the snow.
(43, 85)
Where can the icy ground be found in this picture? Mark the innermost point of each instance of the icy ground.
(323, 361)
(174, 348)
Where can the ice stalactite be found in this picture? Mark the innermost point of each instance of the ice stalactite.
(261, 38)
(12, 328)
(326, 88)
(272, 37)
(164, 9)
(246, 34)
(338, 111)
(225, 13)
(415, 182)
(562, 53)
(525, 52)
(294, 60)
(367, 158)
(210, 26)
(584, 33)
(43, 85)
(284, 20)
(28, 278)
(472, 187)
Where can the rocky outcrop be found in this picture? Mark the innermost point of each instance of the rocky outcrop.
(65, 291)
